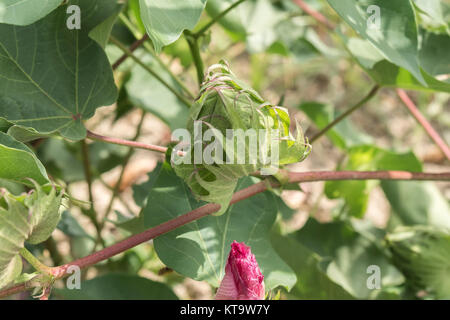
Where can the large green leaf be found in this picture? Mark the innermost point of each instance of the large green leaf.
(366, 158)
(200, 249)
(396, 38)
(146, 92)
(19, 163)
(24, 12)
(117, 286)
(165, 20)
(346, 254)
(53, 78)
(24, 218)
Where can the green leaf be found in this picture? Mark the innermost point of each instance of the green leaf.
(4, 125)
(146, 92)
(396, 39)
(344, 134)
(433, 13)
(117, 286)
(70, 226)
(388, 74)
(367, 158)
(102, 32)
(19, 163)
(24, 218)
(200, 249)
(25, 134)
(165, 20)
(345, 256)
(416, 203)
(53, 78)
(24, 12)
(312, 283)
(423, 254)
(432, 54)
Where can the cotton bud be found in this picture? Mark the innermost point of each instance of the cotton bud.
(243, 279)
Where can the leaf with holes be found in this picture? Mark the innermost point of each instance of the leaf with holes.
(52, 78)
(199, 250)
(23, 218)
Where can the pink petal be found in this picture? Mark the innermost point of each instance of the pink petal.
(243, 279)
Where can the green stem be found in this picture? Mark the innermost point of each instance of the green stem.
(151, 71)
(369, 96)
(205, 28)
(195, 52)
(38, 265)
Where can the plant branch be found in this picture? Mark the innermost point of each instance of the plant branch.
(205, 28)
(37, 265)
(137, 33)
(315, 14)
(88, 175)
(128, 143)
(151, 71)
(132, 48)
(369, 96)
(412, 108)
(293, 177)
(195, 52)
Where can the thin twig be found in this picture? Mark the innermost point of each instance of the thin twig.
(88, 176)
(345, 114)
(196, 57)
(128, 143)
(205, 28)
(293, 177)
(315, 14)
(137, 33)
(151, 71)
(424, 123)
(132, 48)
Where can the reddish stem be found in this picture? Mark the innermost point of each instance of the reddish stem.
(133, 47)
(424, 123)
(315, 14)
(133, 144)
(293, 177)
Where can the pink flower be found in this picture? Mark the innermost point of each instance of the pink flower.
(243, 279)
